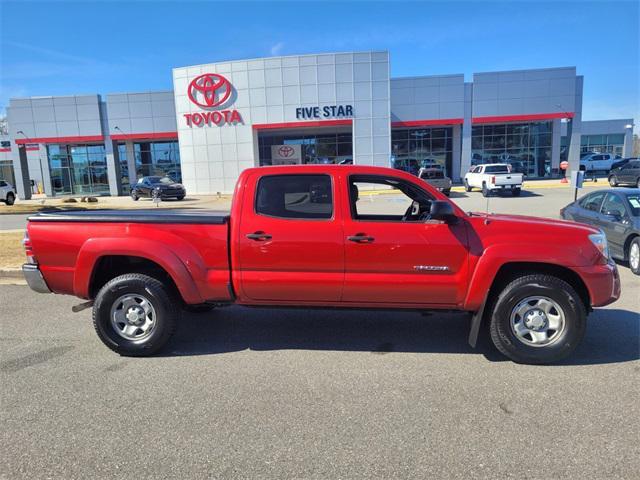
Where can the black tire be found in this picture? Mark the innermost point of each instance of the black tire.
(134, 196)
(485, 190)
(467, 188)
(613, 181)
(446, 192)
(11, 198)
(638, 182)
(181, 197)
(633, 265)
(515, 192)
(159, 296)
(201, 308)
(560, 292)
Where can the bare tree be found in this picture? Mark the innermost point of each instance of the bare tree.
(4, 125)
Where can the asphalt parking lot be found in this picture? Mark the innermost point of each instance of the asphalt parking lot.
(270, 393)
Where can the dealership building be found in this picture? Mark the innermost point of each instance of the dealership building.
(221, 118)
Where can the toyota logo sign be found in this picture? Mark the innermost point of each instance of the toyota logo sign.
(209, 90)
(286, 151)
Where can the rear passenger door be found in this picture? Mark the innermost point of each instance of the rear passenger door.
(290, 245)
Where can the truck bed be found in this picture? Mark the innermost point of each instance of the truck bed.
(156, 215)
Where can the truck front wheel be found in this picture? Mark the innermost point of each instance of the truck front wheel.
(135, 315)
(537, 319)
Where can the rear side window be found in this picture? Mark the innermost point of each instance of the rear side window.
(592, 201)
(3, 184)
(295, 196)
(497, 169)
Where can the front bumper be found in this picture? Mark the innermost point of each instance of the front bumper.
(603, 283)
(34, 278)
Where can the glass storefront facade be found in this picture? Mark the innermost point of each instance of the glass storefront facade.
(157, 158)
(78, 169)
(6, 172)
(414, 148)
(319, 148)
(612, 143)
(525, 146)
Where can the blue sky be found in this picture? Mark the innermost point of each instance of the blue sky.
(54, 48)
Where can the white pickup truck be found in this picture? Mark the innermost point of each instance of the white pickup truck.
(493, 177)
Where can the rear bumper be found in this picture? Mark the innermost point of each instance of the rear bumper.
(603, 283)
(34, 278)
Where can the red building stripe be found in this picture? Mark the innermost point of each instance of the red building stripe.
(425, 123)
(144, 136)
(5, 149)
(76, 139)
(313, 123)
(522, 118)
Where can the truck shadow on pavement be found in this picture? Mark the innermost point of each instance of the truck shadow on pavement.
(612, 335)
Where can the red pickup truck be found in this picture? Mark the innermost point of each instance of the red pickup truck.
(316, 236)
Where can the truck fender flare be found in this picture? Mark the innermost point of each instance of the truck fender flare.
(494, 258)
(95, 248)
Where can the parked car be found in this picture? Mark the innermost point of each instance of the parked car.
(621, 163)
(493, 177)
(598, 162)
(437, 179)
(627, 174)
(7, 193)
(617, 213)
(157, 187)
(532, 280)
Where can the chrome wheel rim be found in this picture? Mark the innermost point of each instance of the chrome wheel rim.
(537, 321)
(634, 256)
(133, 317)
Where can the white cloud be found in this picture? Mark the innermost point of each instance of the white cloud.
(276, 49)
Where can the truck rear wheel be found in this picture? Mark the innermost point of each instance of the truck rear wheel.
(537, 319)
(485, 190)
(135, 315)
(515, 192)
(11, 198)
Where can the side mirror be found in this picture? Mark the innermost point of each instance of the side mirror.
(614, 215)
(441, 210)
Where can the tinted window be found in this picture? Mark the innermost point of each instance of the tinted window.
(497, 169)
(613, 205)
(3, 184)
(295, 196)
(593, 201)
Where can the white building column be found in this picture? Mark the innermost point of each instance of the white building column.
(131, 161)
(627, 149)
(47, 186)
(114, 175)
(574, 129)
(465, 160)
(456, 151)
(556, 137)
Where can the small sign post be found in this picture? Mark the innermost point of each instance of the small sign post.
(577, 177)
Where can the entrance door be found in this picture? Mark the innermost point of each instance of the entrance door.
(393, 253)
(290, 243)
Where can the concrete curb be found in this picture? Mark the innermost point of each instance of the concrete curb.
(12, 276)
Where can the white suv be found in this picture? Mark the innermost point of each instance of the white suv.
(598, 162)
(7, 193)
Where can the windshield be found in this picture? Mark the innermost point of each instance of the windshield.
(634, 201)
(160, 180)
(496, 169)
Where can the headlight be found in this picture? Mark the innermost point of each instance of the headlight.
(599, 240)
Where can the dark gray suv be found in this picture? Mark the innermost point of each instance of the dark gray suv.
(627, 174)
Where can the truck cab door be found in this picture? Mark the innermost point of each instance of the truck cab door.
(393, 255)
(290, 243)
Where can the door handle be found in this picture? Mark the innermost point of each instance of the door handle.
(258, 236)
(360, 238)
